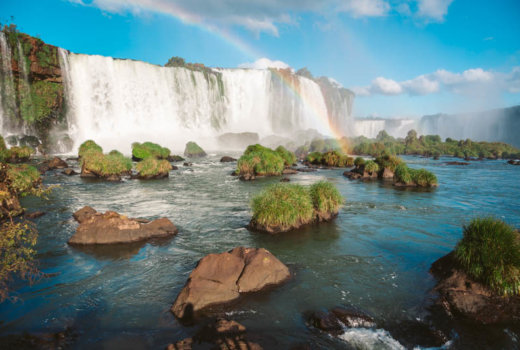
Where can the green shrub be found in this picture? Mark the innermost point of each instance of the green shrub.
(105, 164)
(89, 145)
(314, 158)
(359, 161)
(330, 158)
(423, 177)
(260, 160)
(153, 167)
(402, 174)
(371, 167)
(149, 149)
(20, 153)
(283, 206)
(288, 157)
(388, 161)
(193, 150)
(489, 252)
(325, 197)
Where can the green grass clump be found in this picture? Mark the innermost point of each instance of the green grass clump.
(87, 146)
(260, 160)
(423, 177)
(314, 157)
(332, 158)
(153, 167)
(149, 149)
(193, 150)
(20, 153)
(325, 197)
(105, 164)
(283, 206)
(388, 161)
(288, 157)
(359, 162)
(22, 178)
(371, 167)
(489, 252)
(402, 174)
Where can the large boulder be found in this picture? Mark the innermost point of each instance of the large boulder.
(227, 159)
(460, 295)
(221, 278)
(335, 320)
(193, 150)
(57, 163)
(110, 227)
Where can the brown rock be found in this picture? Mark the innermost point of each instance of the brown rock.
(108, 228)
(461, 295)
(227, 159)
(220, 278)
(34, 215)
(69, 172)
(387, 173)
(57, 163)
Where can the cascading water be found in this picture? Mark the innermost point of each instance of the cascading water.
(7, 89)
(117, 102)
(394, 127)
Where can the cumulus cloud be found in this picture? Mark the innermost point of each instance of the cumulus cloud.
(264, 63)
(365, 8)
(464, 82)
(433, 9)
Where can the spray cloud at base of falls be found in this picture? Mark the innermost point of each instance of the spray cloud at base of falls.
(118, 102)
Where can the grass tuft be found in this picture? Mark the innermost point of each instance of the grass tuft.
(260, 160)
(149, 149)
(325, 197)
(89, 145)
(153, 167)
(104, 165)
(489, 252)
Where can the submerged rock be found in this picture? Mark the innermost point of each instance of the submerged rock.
(57, 163)
(175, 158)
(35, 214)
(460, 295)
(111, 227)
(221, 278)
(69, 172)
(335, 320)
(456, 163)
(223, 334)
(513, 162)
(227, 159)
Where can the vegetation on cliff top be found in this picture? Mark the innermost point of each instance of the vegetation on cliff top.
(489, 252)
(283, 207)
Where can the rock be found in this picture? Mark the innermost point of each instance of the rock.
(456, 163)
(34, 215)
(57, 163)
(188, 164)
(175, 158)
(223, 334)
(387, 174)
(113, 177)
(83, 214)
(247, 177)
(221, 278)
(459, 295)
(110, 227)
(43, 167)
(305, 170)
(415, 334)
(72, 159)
(513, 162)
(352, 175)
(193, 150)
(227, 159)
(285, 179)
(175, 167)
(334, 321)
(289, 171)
(69, 172)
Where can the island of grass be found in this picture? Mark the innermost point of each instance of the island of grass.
(389, 167)
(333, 158)
(258, 160)
(480, 279)
(193, 150)
(94, 163)
(152, 168)
(286, 207)
(145, 150)
(14, 154)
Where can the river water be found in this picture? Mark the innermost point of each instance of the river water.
(375, 257)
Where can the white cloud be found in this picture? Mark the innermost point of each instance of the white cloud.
(264, 63)
(365, 8)
(433, 9)
(442, 80)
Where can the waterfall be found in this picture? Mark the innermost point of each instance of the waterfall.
(117, 102)
(26, 104)
(394, 127)
(8, 106)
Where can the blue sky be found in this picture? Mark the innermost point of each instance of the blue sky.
(401, 57)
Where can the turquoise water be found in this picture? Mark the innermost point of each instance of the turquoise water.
(375, 256)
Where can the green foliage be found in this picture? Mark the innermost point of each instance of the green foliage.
(105, 164)
(193, 150)
(260, 160)
(175, 61)
(420, 177)
(23, 178)
(314, 158)
(283, 205)
(20, 153)
(388, 161)
(489, 252)
(87, 146)
(359, 162)
(288, 157)
(42, 101)
(330, 158)
(325, 197)
(402, 174)
(152, 167)
(371, 167)
(149, 149)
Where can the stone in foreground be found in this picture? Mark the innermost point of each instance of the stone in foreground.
(110, 228)
(462, 296)
(221, 278)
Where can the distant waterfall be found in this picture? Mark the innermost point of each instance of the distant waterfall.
(117, 102)
(7, 96)
(394, 127)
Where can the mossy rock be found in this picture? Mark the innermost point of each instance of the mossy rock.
(258, 160)
(145, 150)
(89, 146)
(108, 166)
(152, 168)
(193, 150)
